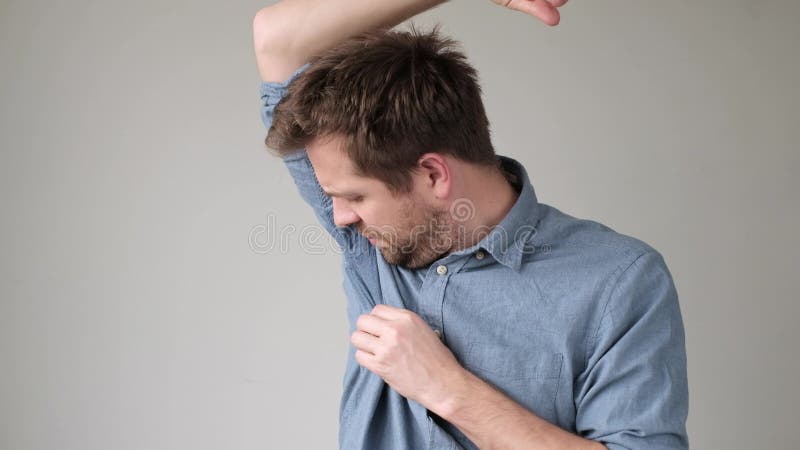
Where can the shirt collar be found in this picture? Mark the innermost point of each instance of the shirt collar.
(509, 240)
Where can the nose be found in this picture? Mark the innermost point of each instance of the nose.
(342, 214)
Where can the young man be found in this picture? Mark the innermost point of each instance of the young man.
(480, 318)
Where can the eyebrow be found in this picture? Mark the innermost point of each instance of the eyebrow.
(339, 194)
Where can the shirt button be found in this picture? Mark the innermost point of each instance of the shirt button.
(438, 333)
(441, 270)
(479, 254)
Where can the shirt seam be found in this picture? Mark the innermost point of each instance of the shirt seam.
(592, 337)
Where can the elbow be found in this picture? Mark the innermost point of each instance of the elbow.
(260, 29)
(271, 34)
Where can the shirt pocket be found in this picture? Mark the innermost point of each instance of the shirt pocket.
(530, 377)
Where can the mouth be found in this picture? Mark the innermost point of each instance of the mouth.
(372, 238)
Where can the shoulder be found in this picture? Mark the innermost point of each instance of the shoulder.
(577, 263)
(585, 243)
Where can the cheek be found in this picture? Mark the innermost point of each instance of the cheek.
(379, 216)
(373, 216)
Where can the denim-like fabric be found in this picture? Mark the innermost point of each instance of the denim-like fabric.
(576, 322)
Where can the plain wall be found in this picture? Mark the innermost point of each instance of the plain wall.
(141, 308)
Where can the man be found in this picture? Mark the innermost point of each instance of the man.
(480, 317)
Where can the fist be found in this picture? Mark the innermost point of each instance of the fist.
(399, 346)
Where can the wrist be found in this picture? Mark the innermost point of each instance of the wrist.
(458, 387)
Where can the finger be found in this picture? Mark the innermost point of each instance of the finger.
(365, 342)
(371, 324)
(365, 359)
(557, 3)
(541, 9)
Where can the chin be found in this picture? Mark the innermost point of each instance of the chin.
(408, 260)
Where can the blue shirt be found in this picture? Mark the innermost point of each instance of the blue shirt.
(574, 321)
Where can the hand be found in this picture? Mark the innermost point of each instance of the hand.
(399, 346)
(544, 10)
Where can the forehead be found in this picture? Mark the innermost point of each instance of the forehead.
(328, 158)
(334, 169)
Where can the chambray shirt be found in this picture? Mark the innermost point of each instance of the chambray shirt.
(574, 321)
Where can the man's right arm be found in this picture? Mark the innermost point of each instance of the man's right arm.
(288, 34)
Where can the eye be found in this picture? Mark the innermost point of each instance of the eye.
(357, 199)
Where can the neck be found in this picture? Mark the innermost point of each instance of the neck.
(492, 196)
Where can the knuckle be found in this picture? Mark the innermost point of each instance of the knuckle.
(391, 334)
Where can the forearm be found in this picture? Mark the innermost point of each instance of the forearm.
(493, 421)
(297, 30)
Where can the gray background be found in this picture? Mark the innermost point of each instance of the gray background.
(136, 314)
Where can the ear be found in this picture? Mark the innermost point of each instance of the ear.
(435, 174)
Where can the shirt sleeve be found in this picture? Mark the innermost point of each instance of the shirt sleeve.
(634, 391)
(302, 171)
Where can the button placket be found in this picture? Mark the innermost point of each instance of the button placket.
(434, 289)
(431, 294)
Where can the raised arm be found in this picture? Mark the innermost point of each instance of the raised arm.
(287, 34)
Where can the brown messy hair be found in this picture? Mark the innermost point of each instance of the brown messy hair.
(393, 96)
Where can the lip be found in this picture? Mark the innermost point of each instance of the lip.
(372, 239)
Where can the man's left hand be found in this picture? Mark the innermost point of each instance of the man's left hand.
(399, 346)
